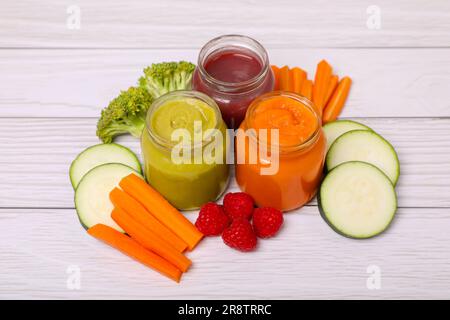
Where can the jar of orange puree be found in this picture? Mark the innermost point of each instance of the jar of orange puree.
(300, 151)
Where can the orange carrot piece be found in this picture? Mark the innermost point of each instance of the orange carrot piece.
(337, 101)
(284, 78)
(306, 89)
(321, 81)
(297, 76)
(161, 209)
(127, 203)
(331, 87)
(148, 239)
(276, 75)
(134, 250)
(290, 86)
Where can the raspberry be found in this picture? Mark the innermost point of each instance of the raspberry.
(267, 221)
(238, 205)
(212, 220)
(240, 236)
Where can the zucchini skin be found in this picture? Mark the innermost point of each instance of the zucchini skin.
(328, 156)
(346, 121)
(324, 216)
(75, 194)
(71, 168)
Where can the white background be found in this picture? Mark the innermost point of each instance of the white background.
(54, 81)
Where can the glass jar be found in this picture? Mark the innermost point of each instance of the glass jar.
(187, 184)
(233, 70)
(300, 164)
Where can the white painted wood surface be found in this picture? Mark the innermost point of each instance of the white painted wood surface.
(306, 260)
(79, 83)
(54, 81)
(189, 23)
(423, 146)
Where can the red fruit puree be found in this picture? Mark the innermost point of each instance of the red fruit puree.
(233, 70)
(233, 66)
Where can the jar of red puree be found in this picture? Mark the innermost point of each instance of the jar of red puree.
(233, 70)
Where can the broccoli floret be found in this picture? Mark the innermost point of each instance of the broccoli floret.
(164, 77)
(124, 114)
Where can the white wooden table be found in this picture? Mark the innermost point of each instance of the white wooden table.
(54, 81)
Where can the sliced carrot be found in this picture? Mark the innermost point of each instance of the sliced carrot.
(126, 202)
(161, 209)
(331, 87)
(306, 89)
(284, 78)
(134, 250)
(276, 75)
(321, 81)
(148, 239)
(337, 101)
(290, 86)
(297, 76)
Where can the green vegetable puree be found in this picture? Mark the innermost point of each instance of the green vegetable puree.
(185, 185)
(181, 114)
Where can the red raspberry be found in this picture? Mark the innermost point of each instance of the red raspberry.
(238, 205)
(212, 220)
(240, 236)
(267, 221)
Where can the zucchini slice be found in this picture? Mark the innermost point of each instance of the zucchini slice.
(92, 195)
(366, 146)
(98, 155)
(335, 129)
(357, 200)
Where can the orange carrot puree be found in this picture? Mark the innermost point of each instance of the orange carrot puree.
(301, 151)
(292, 118)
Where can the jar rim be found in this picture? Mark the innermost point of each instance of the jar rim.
(303, 100)
(236, 41)
(192, 94)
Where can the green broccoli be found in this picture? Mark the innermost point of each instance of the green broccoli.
(124, 114)
(164, 77)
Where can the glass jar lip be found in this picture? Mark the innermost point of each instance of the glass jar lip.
(306, 102)
(192, 94)
(240, 41)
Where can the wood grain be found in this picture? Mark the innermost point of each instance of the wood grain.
(36, 155)
(306, 260)
(54, 82)
(79, 83)
(190, 23)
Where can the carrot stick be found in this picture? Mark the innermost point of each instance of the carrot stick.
(290, 85)
(148, 239)
(276, 75)
(284, 78)
(306, 89)
(331, 87)
(337, 101)
(161, 209)
(321, 81)
(134, 250)
(126, 202)
(297, 76)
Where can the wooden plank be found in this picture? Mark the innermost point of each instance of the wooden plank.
(189, 23)
(36, 155)
(79, 83)
(40, 250)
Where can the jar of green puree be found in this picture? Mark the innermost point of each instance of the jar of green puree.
(184, 146)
